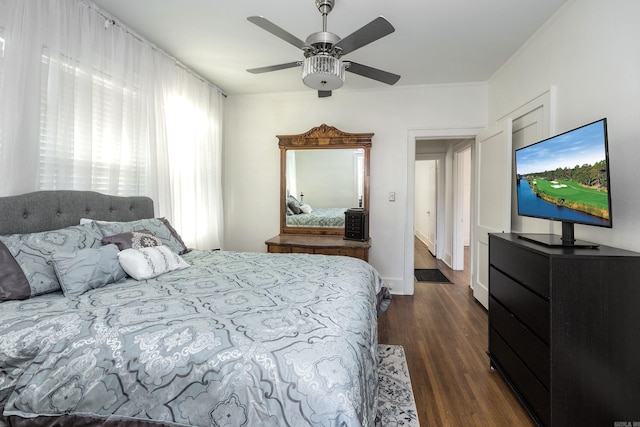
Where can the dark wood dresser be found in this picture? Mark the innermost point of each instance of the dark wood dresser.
(325, 245)
(564, 330)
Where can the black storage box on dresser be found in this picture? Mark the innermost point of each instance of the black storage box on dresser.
(356, 225)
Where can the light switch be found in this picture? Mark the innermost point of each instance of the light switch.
(392, 196)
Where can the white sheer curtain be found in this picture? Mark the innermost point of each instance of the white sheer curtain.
(86, 105)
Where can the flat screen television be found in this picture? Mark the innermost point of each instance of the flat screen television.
(566, 178)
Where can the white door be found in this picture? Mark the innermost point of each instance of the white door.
(492, 208)
(461, 206)
(425, 203)
(432, 205)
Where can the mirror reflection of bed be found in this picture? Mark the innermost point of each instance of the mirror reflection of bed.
(323, 184)
(323, 173)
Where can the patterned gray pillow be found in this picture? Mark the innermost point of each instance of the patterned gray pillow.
(133, 240)
(293, 204)
(160, 227)
(33, 252)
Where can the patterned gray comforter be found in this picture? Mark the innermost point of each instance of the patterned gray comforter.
(236, 339)
(319, 217)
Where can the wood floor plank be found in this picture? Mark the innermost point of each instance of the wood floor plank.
(443, 330)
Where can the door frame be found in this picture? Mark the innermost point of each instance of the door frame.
(412, 137)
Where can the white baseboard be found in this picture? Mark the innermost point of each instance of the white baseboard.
(422, 237)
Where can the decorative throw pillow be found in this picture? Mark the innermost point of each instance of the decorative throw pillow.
(160, 227)
(147, 263)
(33, 252)
(133, 240)
(87, 269)
(293, 204)
(13, 283)
(305, 209)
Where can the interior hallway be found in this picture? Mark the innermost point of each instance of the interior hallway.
(444, 333)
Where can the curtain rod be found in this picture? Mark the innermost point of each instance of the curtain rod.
(111, 20)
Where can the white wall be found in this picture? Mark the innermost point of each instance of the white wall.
(590, 51)
(252, 166)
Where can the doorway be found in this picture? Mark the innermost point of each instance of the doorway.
(442, 199)
(441, 145)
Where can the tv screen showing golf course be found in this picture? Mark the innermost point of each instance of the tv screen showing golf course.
(566, 177)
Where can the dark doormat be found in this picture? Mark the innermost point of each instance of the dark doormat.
(433, 275)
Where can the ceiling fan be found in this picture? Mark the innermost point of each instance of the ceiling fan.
(323, 68)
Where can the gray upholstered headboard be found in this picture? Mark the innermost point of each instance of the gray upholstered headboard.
(51, 210)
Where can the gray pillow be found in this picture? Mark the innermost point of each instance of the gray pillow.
(160, 227)
(293, 204)
(87, 269)
(33, 252)
(133, 240)
(13, 283)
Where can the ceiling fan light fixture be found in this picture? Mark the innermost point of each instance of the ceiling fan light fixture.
(323, 72)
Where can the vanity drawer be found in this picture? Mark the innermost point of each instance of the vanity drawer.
(275, 249)
(322, 245)
(531, 309)
(526, 266)
(528, 347)
(326, 251)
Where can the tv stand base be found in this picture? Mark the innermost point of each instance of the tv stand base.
(555, 241)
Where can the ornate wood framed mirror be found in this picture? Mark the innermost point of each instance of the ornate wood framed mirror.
(323, 172)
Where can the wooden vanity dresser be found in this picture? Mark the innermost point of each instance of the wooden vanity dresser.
(327, 240)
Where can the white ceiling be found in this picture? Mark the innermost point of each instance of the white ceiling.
(436, 41)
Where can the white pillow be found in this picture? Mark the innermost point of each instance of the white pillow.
(306, 209)
(147, 263)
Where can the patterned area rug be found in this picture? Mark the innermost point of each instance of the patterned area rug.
(396, 405)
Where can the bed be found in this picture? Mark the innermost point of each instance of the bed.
(318, 217)
(225, 338)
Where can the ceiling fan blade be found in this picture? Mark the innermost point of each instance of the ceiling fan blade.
(324, 93)
(274, 67)
(269, 26)
(371, 32)
(373, 73)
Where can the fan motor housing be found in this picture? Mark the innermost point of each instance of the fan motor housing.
(323, 41)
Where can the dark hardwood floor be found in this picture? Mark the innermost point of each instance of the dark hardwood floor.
(443, 330)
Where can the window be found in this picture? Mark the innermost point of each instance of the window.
(88, 140)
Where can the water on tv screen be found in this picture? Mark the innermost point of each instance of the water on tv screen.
(566, 177)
